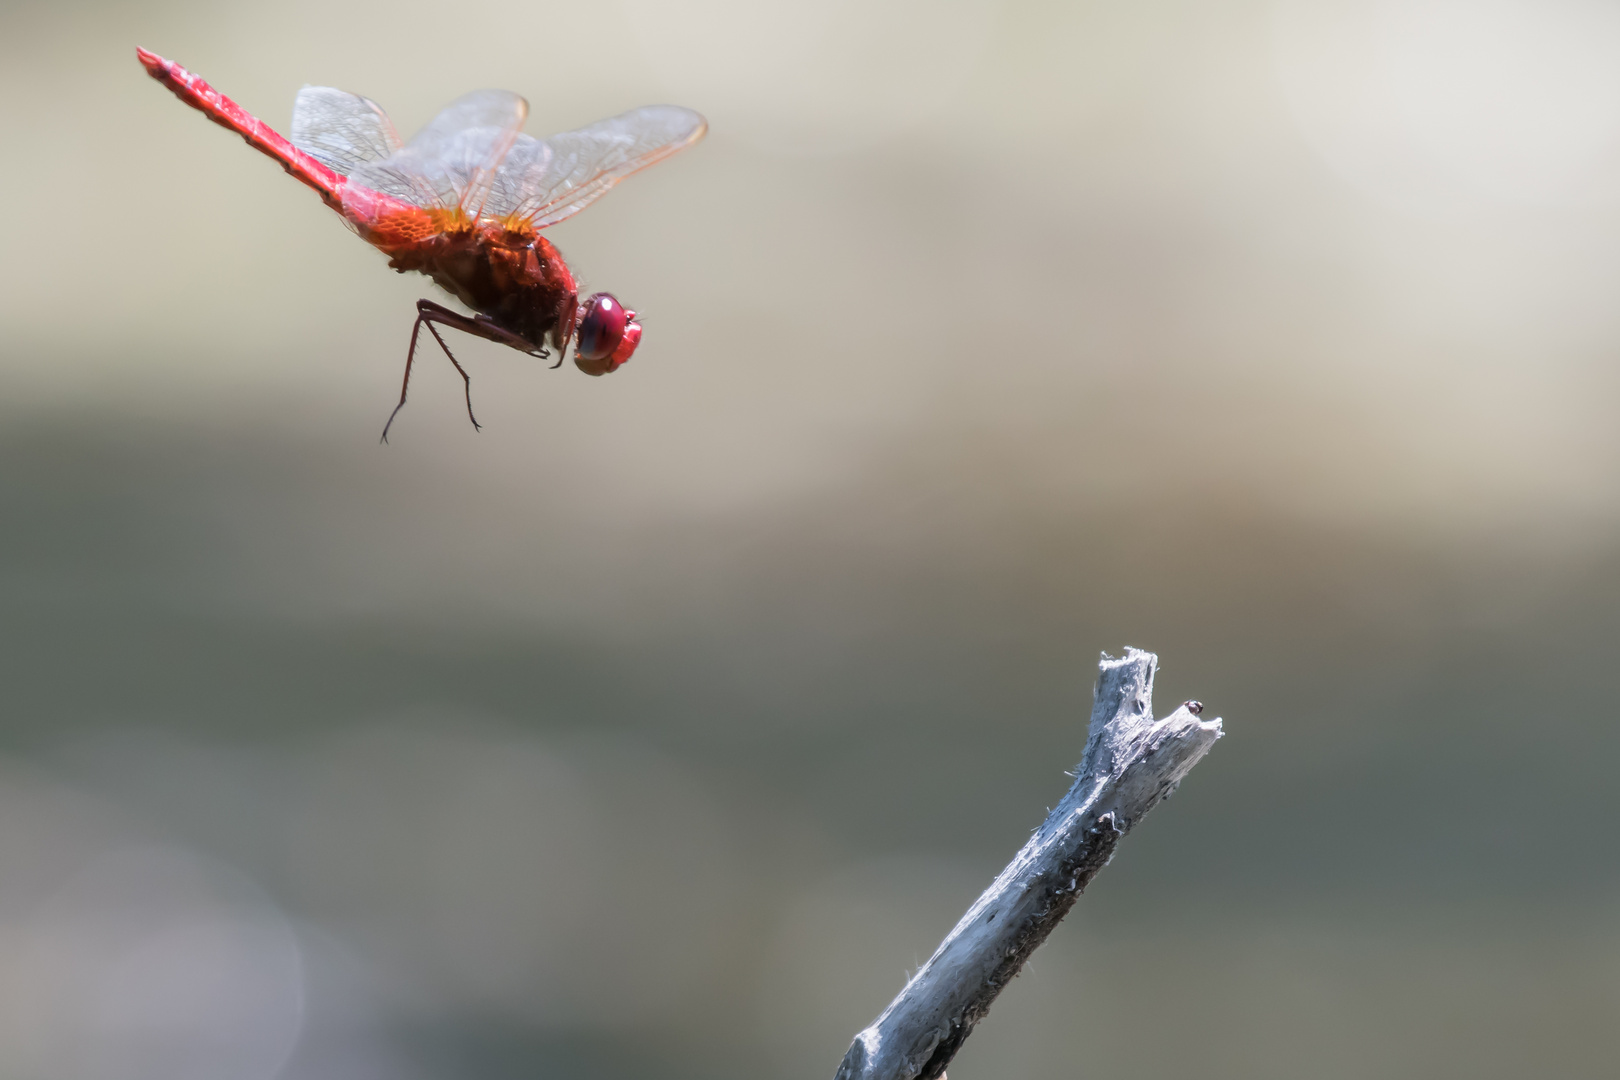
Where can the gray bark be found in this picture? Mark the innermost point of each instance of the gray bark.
(1131, 762)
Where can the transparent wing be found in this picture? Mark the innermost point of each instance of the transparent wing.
(541, 182)
(342, 131)
(453, 161)
(511, 185)
(479, 109)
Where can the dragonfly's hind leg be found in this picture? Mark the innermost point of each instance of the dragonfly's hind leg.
(465, 378)
(428, 313)
(405, 387)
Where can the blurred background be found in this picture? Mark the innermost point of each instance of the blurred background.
(663, 727)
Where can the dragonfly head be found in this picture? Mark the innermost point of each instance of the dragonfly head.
(608, 334)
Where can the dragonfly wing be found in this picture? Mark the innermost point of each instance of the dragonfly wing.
(342, 131)
(479, 109)
(470, 138)
(578, 167)
(451, 163)
(511, 186)
(455, 174)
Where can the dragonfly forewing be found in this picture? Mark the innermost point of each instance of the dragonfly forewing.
(585, 163)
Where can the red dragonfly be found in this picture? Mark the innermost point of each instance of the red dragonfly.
(464, 202)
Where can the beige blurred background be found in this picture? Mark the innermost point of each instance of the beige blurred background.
(664, 726)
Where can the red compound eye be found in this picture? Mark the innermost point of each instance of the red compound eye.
(601, 327)
(608, 334)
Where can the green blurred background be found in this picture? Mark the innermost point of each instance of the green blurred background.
(663, 727)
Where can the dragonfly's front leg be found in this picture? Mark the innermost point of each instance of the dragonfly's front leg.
(505, 337)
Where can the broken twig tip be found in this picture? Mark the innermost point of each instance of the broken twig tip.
(1131, 762)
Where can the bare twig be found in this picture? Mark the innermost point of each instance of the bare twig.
(1131, 762)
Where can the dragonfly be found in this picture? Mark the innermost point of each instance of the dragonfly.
(464, 202)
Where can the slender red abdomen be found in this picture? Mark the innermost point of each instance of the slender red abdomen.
(192, 90)
(384, 221)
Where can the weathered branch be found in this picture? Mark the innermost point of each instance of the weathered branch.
(1131, 762)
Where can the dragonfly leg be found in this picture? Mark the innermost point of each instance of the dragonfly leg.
(427, 314)
(465, 378)
(410, 356)
(485, 327)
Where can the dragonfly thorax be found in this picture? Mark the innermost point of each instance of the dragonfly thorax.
(518, 281)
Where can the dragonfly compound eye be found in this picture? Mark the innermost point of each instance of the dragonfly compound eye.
(601, 327)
